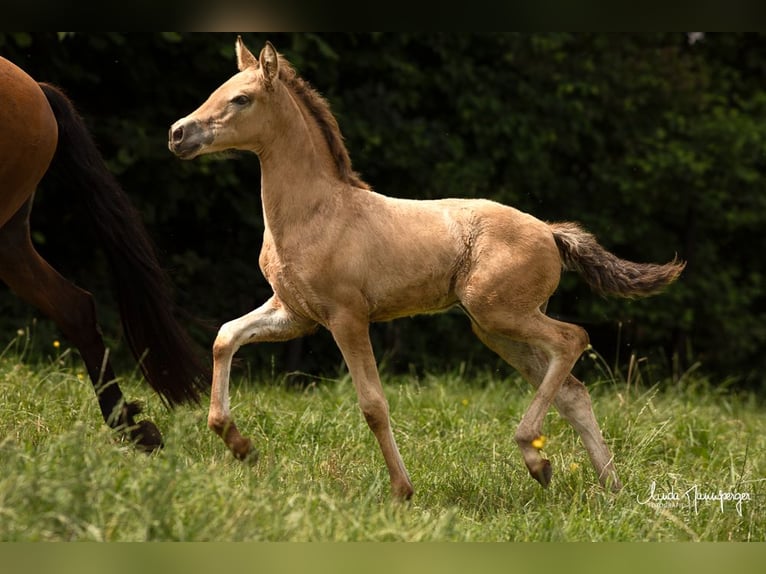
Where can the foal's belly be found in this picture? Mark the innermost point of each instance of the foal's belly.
(412, 308)
(397, 295)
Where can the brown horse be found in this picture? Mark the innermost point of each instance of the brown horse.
(40, 129)
(339, 255)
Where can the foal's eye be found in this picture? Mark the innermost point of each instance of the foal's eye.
(240, 100)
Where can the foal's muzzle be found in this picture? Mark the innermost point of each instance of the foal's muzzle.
(186, 138)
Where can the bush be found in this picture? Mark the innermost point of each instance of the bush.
(653, 143)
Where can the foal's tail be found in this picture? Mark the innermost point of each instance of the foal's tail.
(604, 272)
(168, 358)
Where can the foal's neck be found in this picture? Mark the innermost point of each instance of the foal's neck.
(297, 171)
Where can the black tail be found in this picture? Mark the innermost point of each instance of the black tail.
(606, 273)
(167, 356)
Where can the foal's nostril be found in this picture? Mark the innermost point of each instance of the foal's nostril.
(177, 134)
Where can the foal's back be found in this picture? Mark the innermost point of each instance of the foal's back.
(414, 256)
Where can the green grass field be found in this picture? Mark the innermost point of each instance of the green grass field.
(321, 477)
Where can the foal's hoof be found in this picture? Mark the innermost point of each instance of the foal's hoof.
(241, 447)
(612, 484)
(543, 474)
(146, 436)
(402, 493)
(243, 450)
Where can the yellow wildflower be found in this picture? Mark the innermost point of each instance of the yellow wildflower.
(464, 402)
(539, 442)
(573, 467)
(56, 344)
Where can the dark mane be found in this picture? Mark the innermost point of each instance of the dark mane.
(319, 109)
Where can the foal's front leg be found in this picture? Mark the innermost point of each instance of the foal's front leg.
(353, 338)
(270, 322)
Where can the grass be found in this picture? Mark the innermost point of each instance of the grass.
(321, 477)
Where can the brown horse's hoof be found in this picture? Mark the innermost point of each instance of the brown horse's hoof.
(146, 436)
(543, 474)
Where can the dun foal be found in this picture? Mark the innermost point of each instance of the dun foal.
(340, 256)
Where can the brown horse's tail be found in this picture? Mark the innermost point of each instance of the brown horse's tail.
(168, 358)
(604, 272)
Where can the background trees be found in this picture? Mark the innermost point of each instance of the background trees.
(655, 144)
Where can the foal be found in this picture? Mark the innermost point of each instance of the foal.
(340, 256)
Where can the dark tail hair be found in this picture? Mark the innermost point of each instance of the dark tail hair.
(604, 272)
(168, 358)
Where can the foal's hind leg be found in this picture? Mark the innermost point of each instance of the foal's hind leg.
(572, 401)
(73, 311)
(561, 343)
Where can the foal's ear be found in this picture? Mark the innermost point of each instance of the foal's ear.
(245, 58)
(269, 62)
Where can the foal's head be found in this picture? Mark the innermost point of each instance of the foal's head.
(232, 117)
(247, 112)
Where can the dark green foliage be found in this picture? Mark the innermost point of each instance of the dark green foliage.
(654, 144)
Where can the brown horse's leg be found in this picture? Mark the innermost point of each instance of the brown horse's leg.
(73, 311)
(270, 322)
(353, 339)
(572, 401)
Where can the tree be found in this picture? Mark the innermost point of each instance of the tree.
(653, 143)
